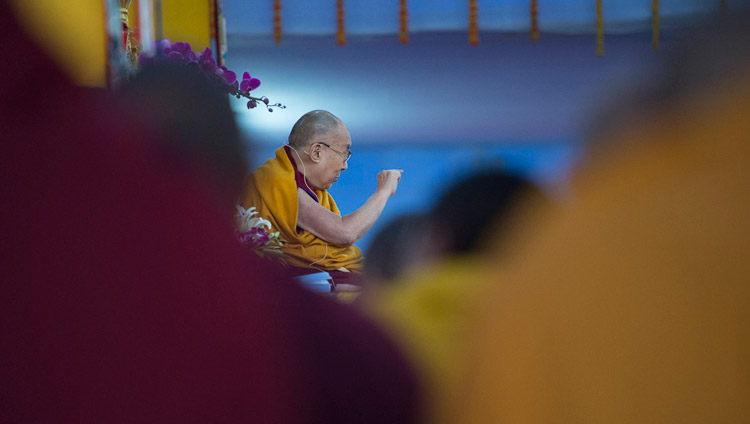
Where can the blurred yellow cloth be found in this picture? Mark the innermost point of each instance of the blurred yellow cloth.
(429, 312)
(73, 34)
(635, 306)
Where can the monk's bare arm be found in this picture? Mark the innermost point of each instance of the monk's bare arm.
(345, 230)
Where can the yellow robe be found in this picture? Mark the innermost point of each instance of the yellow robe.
(272, 190)
(635, 306)
(429, 312)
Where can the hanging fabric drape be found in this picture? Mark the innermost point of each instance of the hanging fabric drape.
(534, 21)
(277, 21)
(599, 28)
(158, 20)
(212, 19)
(223, 48)
(473, 28)
(403, 18)
(216, 28)
(655, 24)
(146, 26)
(340, 29)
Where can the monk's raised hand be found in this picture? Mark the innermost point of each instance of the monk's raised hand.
(388, 180)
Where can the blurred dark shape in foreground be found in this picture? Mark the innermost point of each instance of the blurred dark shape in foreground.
(192, 121)
(474, 214)
(125, 297)
(398, 247)
(635, 305)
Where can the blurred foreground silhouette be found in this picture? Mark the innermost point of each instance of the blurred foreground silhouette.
(634, 305)
(125, 297)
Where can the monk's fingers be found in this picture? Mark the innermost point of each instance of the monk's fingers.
(394, 172)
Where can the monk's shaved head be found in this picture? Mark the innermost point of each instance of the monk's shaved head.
(311, 124)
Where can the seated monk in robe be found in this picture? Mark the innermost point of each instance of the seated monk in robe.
(290, 192)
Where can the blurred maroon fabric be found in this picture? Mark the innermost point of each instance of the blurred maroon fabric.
(125, 299)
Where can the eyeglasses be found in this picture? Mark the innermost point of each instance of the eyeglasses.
(344, 155)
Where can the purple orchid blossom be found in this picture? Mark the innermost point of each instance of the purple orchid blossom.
(207, 62)
(256, 237)
(259, 236)
(243, 238)
(164, 46)
(248, 83)
(181, 52)
(181, 47)
(175, 56)
(230, 76)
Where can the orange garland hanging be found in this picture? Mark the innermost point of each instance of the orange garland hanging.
(655, 24)
(341, 32)
(599, 28)
(534, 21)
(473, 29)
(277, 21)
(403, 18)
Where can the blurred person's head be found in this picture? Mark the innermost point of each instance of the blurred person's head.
(194, 121)
(479, 211)
(398, 247)
(476, 213)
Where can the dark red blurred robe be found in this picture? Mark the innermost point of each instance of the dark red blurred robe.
(124, 298)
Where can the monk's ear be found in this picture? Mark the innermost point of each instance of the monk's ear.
(315, 152)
